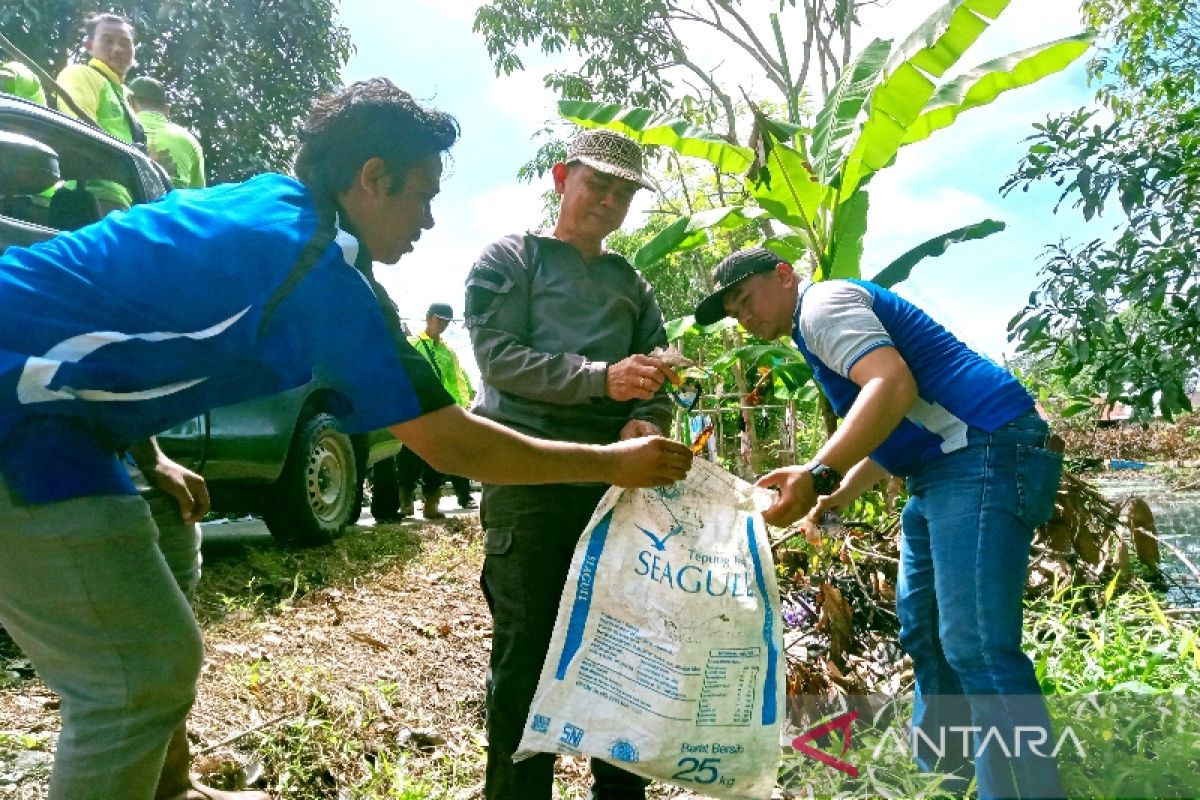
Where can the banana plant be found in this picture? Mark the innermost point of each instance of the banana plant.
(811, 184)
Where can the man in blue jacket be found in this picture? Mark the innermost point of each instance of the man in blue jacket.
(918, 403)
(205, 298)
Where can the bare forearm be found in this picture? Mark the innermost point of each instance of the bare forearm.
(862, 476)
(458, 443)
(187, 488)
(146, 453)
(875, 414)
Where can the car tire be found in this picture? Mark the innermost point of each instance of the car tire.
(317, 492)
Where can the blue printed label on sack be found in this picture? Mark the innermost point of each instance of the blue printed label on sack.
(571, 735)
(540, 723)
(623, 750)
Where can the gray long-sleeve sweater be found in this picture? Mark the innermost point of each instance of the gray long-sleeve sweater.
(545, 326)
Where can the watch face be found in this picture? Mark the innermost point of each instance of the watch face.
(825, 480)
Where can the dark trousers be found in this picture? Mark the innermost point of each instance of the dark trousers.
(530, 533)
(462, 488)
(411, 469)
(385, 490)
(404, 471)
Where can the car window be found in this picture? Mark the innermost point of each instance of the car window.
(97, 176)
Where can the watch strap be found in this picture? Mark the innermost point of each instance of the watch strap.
(826, 479)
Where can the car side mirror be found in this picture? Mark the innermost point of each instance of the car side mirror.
(27, 166)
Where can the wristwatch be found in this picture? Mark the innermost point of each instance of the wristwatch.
(825, 479)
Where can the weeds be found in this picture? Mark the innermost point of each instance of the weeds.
(256, 580)
(1084, 639)
(408, 724)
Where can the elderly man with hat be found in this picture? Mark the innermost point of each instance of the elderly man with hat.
(982, 472)
(394, 481)
(561, 329)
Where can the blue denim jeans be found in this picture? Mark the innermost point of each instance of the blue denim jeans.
(964, 559)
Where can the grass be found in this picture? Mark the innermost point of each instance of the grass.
(1124, 677)
(1128, 644)
(1122, 681)
(257, 579)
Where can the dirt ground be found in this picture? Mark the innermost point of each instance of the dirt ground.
(352, 670)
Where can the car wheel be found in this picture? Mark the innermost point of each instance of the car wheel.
(317, 492)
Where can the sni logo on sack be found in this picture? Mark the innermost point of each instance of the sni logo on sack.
(571, 735)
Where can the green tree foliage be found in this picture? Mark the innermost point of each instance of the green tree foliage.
(240, 73)
(1126, 311)
(636, 51)
(811, 183)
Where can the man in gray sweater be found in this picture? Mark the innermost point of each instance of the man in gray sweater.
(561, 329)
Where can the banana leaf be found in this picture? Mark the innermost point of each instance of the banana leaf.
(791, 249)
(794, 135)
(794, 381)
(905, 86)
(849, 226)
(902, 267)
(784, 183)
(838, 118)
(988, 81)
(686, 233)
(649, 127)
(938, 43)
(755, 354)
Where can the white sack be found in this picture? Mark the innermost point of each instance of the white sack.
(667, 658)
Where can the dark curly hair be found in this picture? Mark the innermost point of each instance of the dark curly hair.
(368, 119)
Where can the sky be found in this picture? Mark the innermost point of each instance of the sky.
(952, 179)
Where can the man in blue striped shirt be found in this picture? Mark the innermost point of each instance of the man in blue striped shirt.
(919, 403)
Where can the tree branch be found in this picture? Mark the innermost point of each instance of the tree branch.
(761, 57)
(750, 34)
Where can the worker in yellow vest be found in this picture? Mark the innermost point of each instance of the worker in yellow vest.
(97, 87)
(17, 79)
(169, 144)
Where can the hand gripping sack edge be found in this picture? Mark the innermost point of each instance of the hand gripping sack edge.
(667, 657)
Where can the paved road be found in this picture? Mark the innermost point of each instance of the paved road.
(251, 530)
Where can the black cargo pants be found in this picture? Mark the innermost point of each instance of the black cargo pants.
(530, 536)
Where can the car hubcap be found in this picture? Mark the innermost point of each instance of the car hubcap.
(327, 469)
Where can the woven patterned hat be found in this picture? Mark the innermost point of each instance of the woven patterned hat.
(610, 153)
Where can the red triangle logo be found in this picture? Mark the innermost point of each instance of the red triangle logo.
(840, 723)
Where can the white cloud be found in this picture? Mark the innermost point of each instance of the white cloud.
(462, 10)
(900, 220)
(524, 97)
(436, 270)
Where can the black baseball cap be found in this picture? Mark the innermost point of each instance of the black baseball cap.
(732, 270)
(442, 310)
